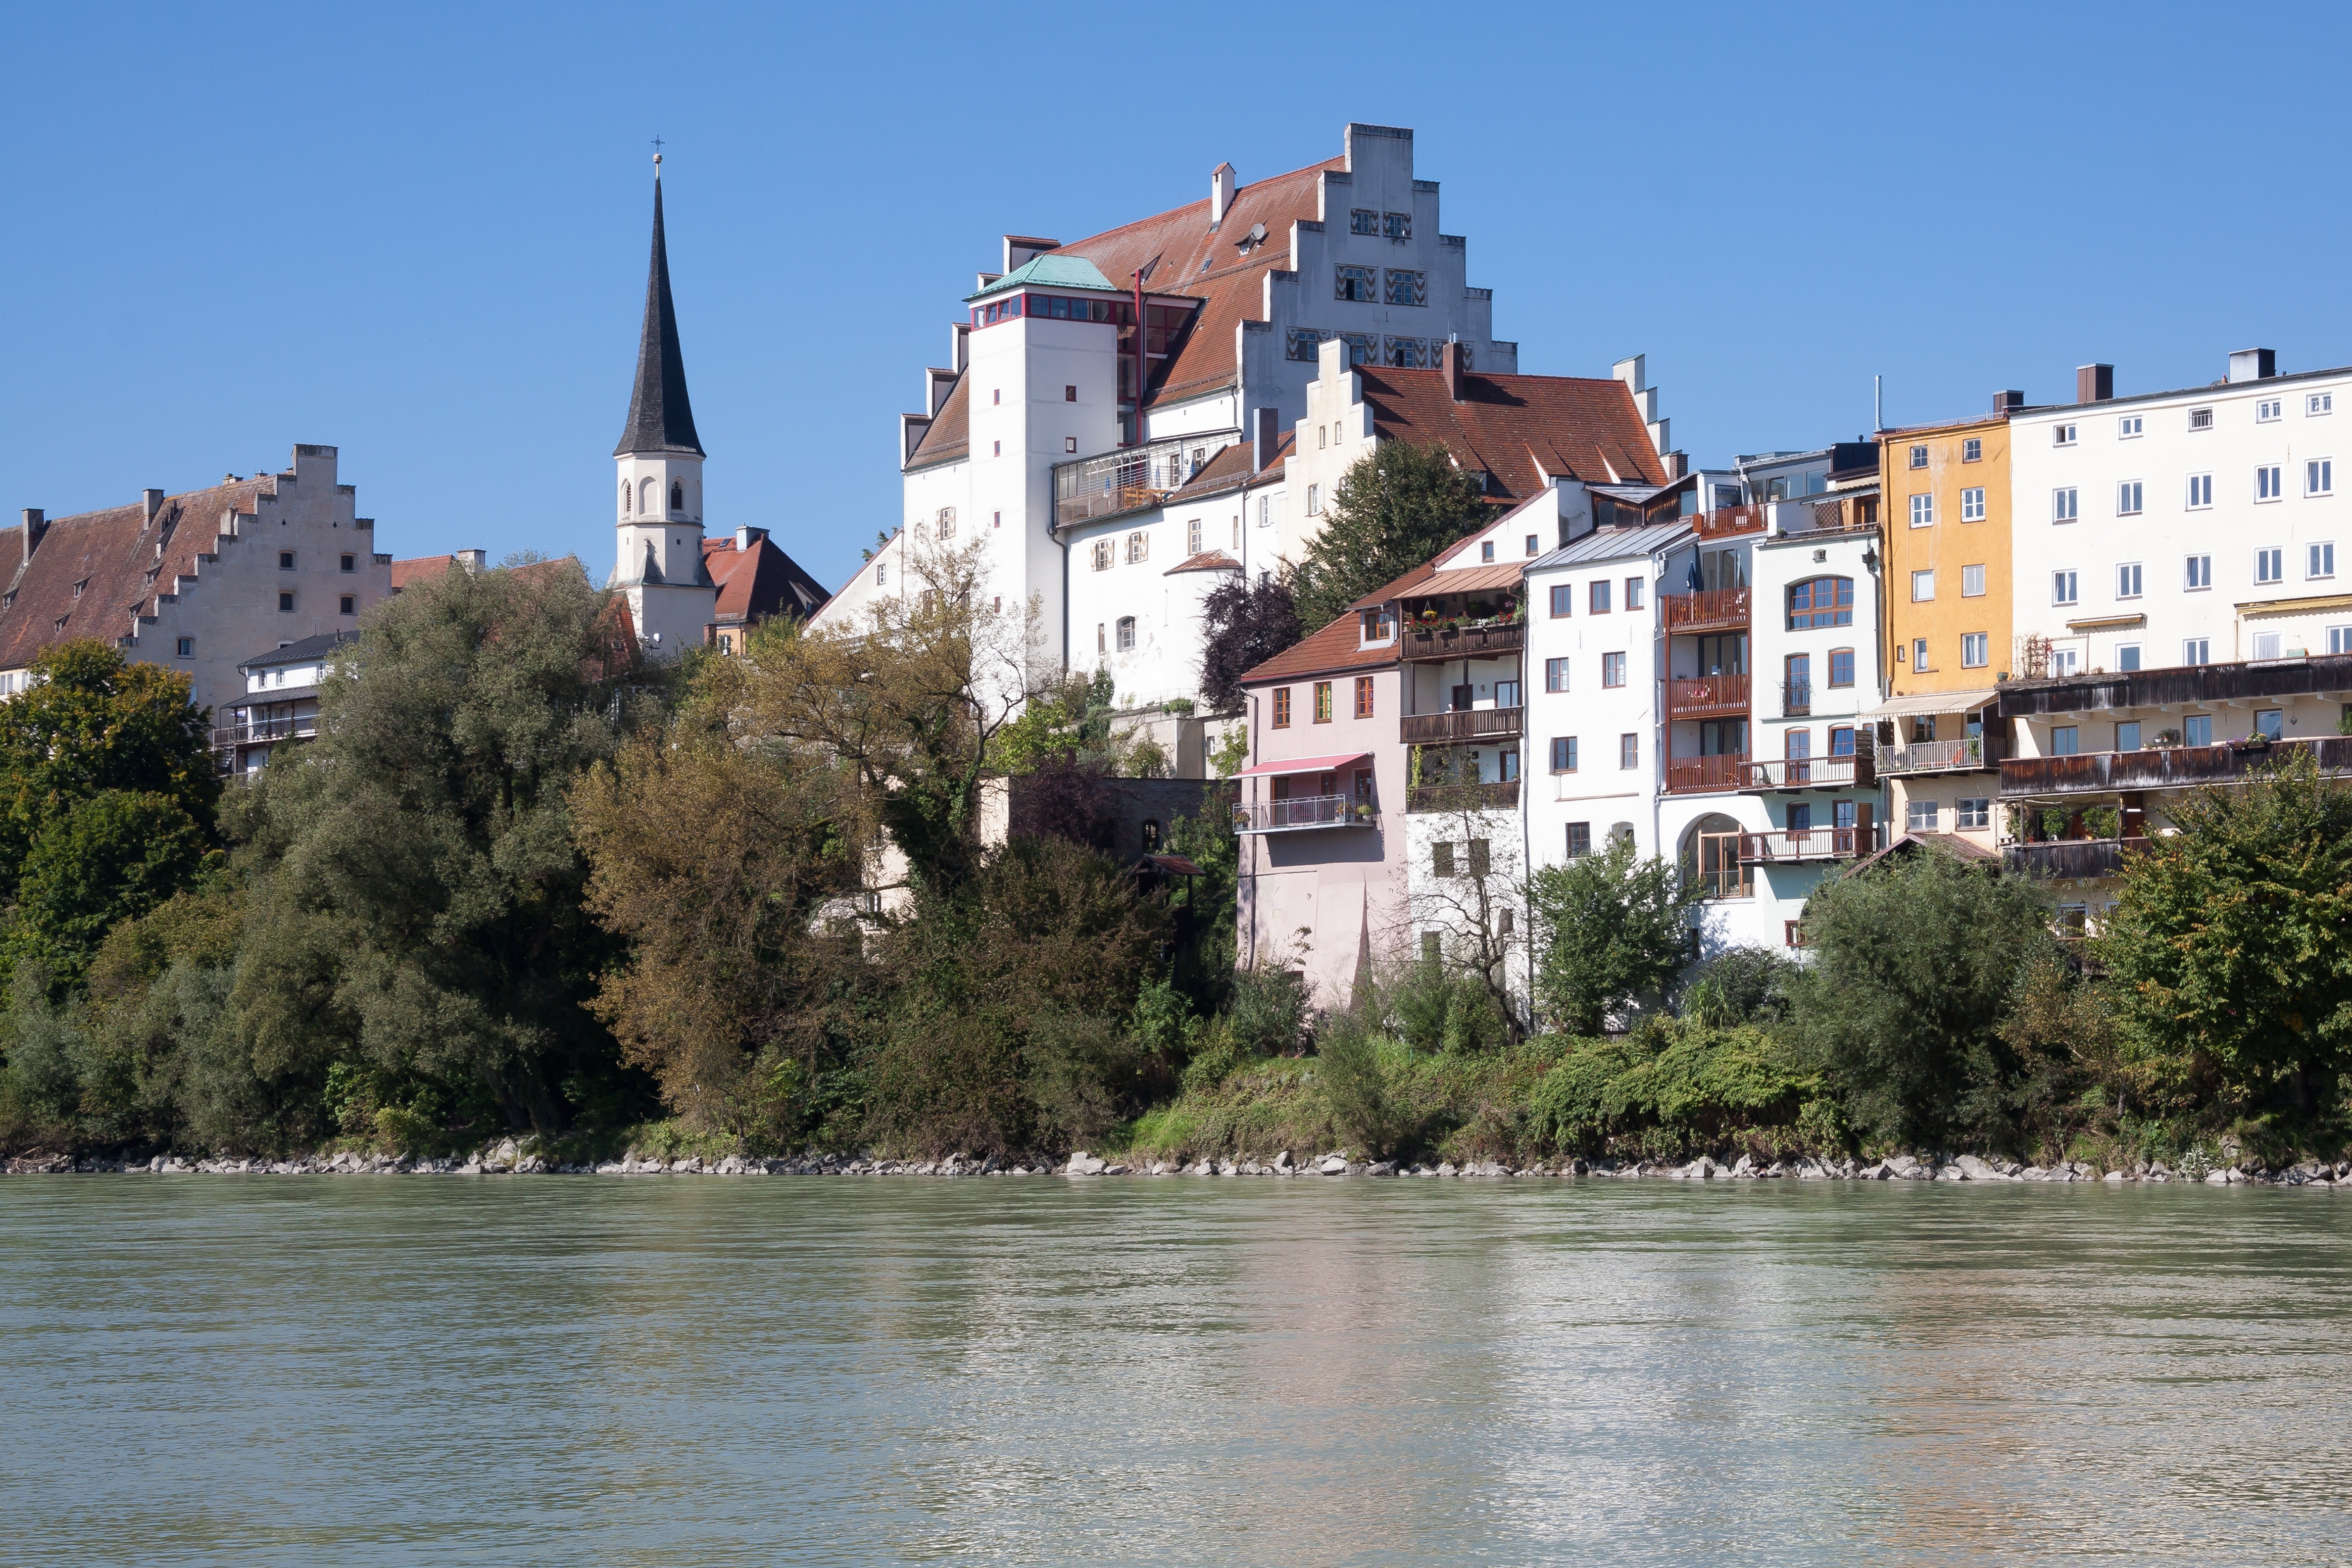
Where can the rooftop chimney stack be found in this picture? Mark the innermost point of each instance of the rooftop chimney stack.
(36, 523)
(2008, 402)
(1223, 182)
(1268, 436)
(154, 500)
(2254, 364)
(1449, 360)
(2093, 383)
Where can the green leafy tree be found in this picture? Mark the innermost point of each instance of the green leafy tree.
(1391, 511)
(1913, 964)
(110, 857)
(1612, 926)
(2230, 942)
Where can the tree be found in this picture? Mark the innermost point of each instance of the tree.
(2230, 940)
(110, 857)
(1392, 512)
(1912, 964)
(1474, 908)
(1243, 625)
(1614, 926)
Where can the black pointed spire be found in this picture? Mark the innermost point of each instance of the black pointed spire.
(661, 418)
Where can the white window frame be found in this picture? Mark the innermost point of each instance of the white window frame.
(2201, 419)
(2197, 575)
(2130, 426)
(2318, 404)
(2130, 580)
(1972, 575)
(2200, 492)
(2272, 558)
(2130, 494)
(2065, 587)
(2196, 651)
(2266, 409)
(1923, 580)
(2065, 504)
(2318, 477)
(1918, 456)
(1972, 505)
(1123, 635)
(2269, 483)
(2062, 435)
(1976, 650)
(1923, 510)
(2319, 560)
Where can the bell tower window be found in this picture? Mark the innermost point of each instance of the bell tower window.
(677, 496)
(645, 496)
(624, 498)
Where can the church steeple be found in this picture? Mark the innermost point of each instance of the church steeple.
(661, 418)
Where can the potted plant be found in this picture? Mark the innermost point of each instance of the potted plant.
(1363, 811)
(2168, 737)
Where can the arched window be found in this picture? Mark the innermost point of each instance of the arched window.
(1126, 634)
(1821, 602)
(645, 496)
(1710, 858)
(677, 496)
(624, 498)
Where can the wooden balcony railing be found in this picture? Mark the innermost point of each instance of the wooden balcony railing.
(1813, 773)
(1302, 811)
(1697, 775)
(1503, 796)
(2165, 768)
(1462, 726)
(1794, 846)
(1709, 610)
(1428, 644)
(2073, 859)
(1707, 696)
(1725, 522)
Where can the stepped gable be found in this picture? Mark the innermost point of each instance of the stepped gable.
(1518, 428)
(97, 572)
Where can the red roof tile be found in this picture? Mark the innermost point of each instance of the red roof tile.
(1207, 561)
(1520, 427)
(1336, 647)
(758, 582)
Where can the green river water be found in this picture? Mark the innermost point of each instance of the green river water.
(360, 1370)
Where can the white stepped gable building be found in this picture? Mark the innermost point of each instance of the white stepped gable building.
(1035, 442)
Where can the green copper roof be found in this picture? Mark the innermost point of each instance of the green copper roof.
(1049, 271)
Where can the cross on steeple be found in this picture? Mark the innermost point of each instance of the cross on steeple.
(657, 147)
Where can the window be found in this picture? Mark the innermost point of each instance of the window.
(1923, 587)
(1840, 666)
(1531, 544)
(1193, 537)
(1975, 811)
(1633, 592)
(2196, 729)
(1555, 675)
(1102, 637)
(1842, 744)
(1408, 288)
(1353, 283)
(285, 560)
(2127, 580)
(1322, 702)
(2061, 587)
(2062, 436)
(677, 496)
(1485, 550)
(1281, 708)
(1563, 600)
(1363, 697)
(1975, 649)
(2126, 655)
(2196, 650)
(1918, 456)
(1362, 220)
(1612, 669)
(2271, 724)
(349, 605)
(1972, 583)
(947, 522)
(2267, 484)
(1100, 556)
(2339, 641)
(2128, 495)
(2199, 573)
(1597, 599)
(1972, 451)
(2265, 410)
(1922, 512)
(2201, 419)
(2319, 560)
(2127, 426)
(1139, 547)
(1918, 652)
(2064, 507)
(2266, 645)
(2319, 477)
(1379, 626)
(1921, 816)
(1563, 753)
(2128, 735)
(1580, 840)
(1314, 500)
(1397, 225)
(1972, 507)
(996, 395)
(187, 648)
(997, 448)
(2064, 739)
(1441, 859)
(1629, 751)
(2269, 565)
(2201, 491)
(347, 564)
(882, 568)
(1126, 628)
(1821, 602)
(285, 603)
(1797, 685)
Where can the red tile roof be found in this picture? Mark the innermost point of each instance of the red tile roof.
(97, 571)
(1520, 427)
(414, 570)
(1207, 561)
(1338, 647)
(758, 582)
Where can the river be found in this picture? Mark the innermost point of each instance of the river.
(449, 1370)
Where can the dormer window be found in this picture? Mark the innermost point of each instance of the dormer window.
(1379, 626)
(79, 587)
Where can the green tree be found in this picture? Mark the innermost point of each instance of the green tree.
(2230, 942)
(1612, 926)
(1913, 964)
(109, 858)
(1390, 512)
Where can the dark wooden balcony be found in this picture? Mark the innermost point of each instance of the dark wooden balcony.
(2162, 767)
(1855, 772)
(1461, 727)
(1796, 846)
(1431, 645)
(1705, 775)
(1709, 610)
(1707, 697)
(2071, 859)
(1503, 796)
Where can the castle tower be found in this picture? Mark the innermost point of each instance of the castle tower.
(658, 560)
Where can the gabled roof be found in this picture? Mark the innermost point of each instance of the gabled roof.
(949, 435)
(661, 418)
(307, 651)
(758, 582)
(1616, 544)
(1054, 269)
(1518, 429)
(1338, 647)
(1207, 561)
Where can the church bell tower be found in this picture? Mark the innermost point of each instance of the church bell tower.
(658, 560)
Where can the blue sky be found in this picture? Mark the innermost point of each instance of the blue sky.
(418, 233)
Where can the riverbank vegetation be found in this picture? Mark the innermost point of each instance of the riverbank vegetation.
(519, 886)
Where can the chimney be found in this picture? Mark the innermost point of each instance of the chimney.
(2008, 402)
(2093, 383)
(154, 501)
(1449, 360)
(36, 523)
(1268, 438)
(473, 560)
(1222, 181)
(747, 536)
(2254, 364)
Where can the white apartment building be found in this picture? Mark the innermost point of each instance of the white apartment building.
(2199, 526)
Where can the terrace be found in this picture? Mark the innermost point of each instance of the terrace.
(1708, 610)
(2071, 860)
(1300, 811)
(1968, 754)
(1797, 846)
(1460, 726)
(1705, 775)
(1133, 479)
(2162, 767)
(1855, 772)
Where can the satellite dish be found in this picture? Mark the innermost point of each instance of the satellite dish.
(1257, 234)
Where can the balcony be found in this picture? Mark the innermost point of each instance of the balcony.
(1798, 845)
(2166, 767)
(265, 732)
(2073, 859)
(1966, 755)
(1133, 479)
(1424, 645)
(1709, 610)
(1503, 796)
(1302, 812)
(1729, 522)
(1705, 775)
(1707, 697)
(1461, 727)
(1855, 772)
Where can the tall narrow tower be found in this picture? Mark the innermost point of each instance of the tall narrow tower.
(658, 563)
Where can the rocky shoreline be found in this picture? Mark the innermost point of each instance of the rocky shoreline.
(508, 1158)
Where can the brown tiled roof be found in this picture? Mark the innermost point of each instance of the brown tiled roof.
(760, 582)
(1234, 465)
(417, 568)
(1518, 428)
(98, 569)
(950, 436)
(1207, 561)
(1336, 649)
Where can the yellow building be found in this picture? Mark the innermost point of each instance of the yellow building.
(1947, 628)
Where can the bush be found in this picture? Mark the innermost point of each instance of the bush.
(1268, 1015)
(1740, 985)
(1348, 1062)
(1433, 1008)
(1675, 1087)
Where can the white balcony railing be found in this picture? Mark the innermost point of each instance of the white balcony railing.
(1302, 811)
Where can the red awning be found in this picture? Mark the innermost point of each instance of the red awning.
(1305, 764)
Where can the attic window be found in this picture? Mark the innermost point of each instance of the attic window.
(79, 587)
